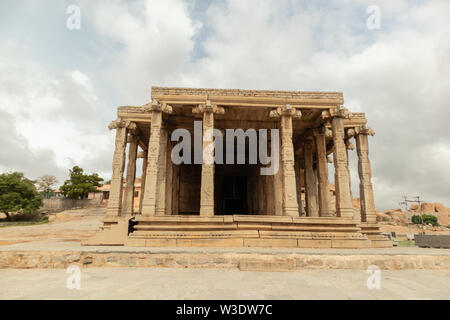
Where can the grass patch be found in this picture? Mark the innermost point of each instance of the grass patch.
(406, 243)
(24, 220)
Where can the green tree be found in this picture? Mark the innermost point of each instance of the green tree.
(79, 185)
(18, 193)
(427, 219)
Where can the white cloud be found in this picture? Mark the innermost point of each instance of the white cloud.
(51, 113)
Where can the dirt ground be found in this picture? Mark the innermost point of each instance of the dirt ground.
(69, 225)
(415, 229)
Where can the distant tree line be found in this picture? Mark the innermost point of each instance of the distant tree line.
(19, 194)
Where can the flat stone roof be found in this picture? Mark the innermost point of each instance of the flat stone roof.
(173, 91)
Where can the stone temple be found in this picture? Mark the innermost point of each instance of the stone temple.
(226, 202)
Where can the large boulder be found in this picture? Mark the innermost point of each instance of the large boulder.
(428, 207)
(397, 216)
(381, 216)
(442, 214)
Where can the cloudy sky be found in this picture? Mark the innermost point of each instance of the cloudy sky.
(59, 88)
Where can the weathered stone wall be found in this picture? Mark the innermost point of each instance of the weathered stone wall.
(61, 204)
(223, 260)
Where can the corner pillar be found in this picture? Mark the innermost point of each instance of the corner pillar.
(368, 211)
(116, 191)
(154, 149)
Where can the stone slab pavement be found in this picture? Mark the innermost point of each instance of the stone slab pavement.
(167, 283)
(70, 245)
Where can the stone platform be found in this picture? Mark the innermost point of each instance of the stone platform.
(238, 231)
(64, 253)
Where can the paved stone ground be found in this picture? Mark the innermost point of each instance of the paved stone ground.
(141, 283)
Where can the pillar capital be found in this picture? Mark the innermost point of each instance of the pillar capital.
(349, 133)
(340, 112)
(208, 107)
(365, 130)
(349, 145)
(155, 105)
(286, 110)
(120, 123)
(323, 130)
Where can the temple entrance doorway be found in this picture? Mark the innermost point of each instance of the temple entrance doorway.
(234, 199)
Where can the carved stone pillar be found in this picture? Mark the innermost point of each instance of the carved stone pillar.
(302, 186)
(128, 200)
(154, 149)
(310, 180)
(286, 113)
(116, 190)
(322, 172)
(143, 155)
(298, 183)
(349, 133)
(368, 211)
(344, 206)
(207, 181)
(161, 176)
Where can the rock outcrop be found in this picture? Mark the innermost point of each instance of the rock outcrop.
(437, 209)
